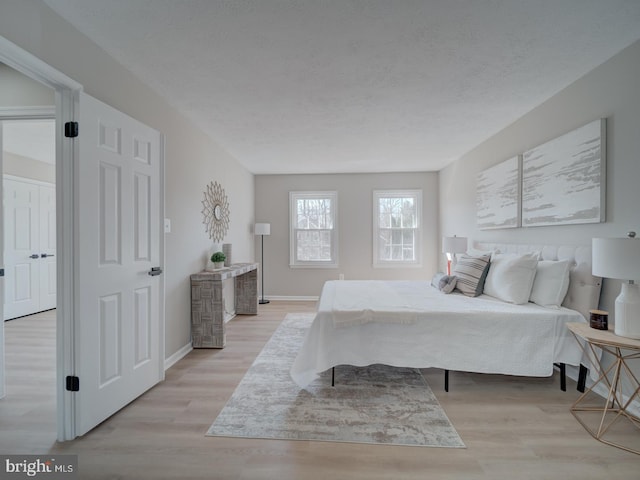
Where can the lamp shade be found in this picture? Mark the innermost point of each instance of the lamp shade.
(262, 229)
(454, 244)
(616, 258)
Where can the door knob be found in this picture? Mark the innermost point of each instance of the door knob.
(45, 255)
(35, 255)
(155, 271)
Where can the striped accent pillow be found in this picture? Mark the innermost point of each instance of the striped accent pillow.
(471, 272)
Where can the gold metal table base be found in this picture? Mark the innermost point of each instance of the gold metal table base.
(615, 406)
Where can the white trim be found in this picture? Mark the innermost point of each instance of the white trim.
(66, 110)
(400, 193)
(17, 178)
(177, 356)
(163, 255)
(293, 197)
(28, 113)
(30, 65)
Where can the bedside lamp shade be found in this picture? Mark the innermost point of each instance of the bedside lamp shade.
(451, 246)
(620, 258)
(454, 244)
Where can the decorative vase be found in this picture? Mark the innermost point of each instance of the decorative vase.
(218, 265)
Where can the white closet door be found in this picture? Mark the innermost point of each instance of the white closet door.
(47, 247)
(21, 210)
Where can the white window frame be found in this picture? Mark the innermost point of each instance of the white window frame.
(397, 193)
(293, 261)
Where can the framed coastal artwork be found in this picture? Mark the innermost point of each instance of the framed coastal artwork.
(498, 195)
(563, 180)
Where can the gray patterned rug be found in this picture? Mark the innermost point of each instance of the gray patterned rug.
(376, 404)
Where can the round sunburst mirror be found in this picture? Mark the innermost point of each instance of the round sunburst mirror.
(215, 209)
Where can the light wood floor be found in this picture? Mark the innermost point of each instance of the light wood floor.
(514, 428)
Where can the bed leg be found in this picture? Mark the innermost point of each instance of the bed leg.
(333, 376)
(446, 380)
(582, 378)
(563, 377)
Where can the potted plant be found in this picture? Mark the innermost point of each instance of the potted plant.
(218, 259)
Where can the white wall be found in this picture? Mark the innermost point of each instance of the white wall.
(610, 91)
(192, 158)
(355, 203)
(17, 90)
(26, 167)
(20, 91)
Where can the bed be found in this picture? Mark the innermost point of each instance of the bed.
(417, 325)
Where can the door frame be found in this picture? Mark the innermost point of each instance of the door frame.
(66, 110)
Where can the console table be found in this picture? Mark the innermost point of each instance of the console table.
(613, 377)
(208, 326)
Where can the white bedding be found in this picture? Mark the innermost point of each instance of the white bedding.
(412, 324)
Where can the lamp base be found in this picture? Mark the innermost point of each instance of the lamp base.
(627, 321)
(263, 301)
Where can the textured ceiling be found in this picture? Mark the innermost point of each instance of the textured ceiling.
(315, 86)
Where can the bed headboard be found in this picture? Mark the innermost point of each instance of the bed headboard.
(584, 288)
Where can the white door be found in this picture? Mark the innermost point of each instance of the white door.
(47, 244)
(22, 256)
(119, 303)
(2, 386)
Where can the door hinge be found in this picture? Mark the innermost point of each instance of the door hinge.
(71, 129)
(1, 272)
(73, 383)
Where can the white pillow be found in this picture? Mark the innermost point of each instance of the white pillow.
(551, 283)
(510, 277)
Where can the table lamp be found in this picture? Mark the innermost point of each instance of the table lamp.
(620, 258)
(451, 246)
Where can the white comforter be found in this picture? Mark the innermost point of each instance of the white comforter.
(412, 324)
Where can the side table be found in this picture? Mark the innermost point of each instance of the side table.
(615, 406)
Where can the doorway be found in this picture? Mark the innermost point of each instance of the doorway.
(27, 156)
(29, 202)
(107, 338)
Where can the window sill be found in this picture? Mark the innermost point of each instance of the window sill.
(332, 265)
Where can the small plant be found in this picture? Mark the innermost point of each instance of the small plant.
(218, 257)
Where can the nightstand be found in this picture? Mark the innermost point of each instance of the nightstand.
(613, 377)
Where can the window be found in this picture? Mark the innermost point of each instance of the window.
(313, 229)
(397, 228)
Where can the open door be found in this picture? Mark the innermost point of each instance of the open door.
(119, 301)
(2, 363)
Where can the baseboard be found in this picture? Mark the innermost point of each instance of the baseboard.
(285, 298)
(600, 389)
(176, 357)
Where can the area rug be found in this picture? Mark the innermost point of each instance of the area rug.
(376, 404)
